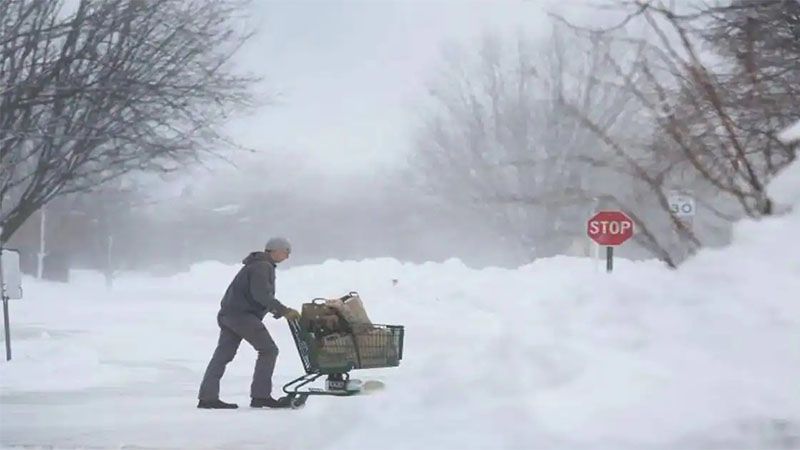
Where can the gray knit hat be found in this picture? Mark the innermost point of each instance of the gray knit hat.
(278, 243)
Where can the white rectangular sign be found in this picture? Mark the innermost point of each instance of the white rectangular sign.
(682, 205)
(10, 274)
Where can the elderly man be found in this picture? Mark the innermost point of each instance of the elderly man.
(250, 296)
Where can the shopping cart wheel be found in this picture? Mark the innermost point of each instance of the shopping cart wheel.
(298, 401)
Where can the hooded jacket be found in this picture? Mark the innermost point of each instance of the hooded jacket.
(252, 290)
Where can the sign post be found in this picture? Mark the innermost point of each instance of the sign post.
(10, 288)
(6, 325)
(610, 228)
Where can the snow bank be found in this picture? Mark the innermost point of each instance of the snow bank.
(553, 355)
(785, 188)
(791, 134)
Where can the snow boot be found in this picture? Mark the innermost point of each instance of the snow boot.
(215, 404)
(270, 402)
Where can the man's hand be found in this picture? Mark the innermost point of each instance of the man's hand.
(291, 314)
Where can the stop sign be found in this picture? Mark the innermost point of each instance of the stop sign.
(610, 227)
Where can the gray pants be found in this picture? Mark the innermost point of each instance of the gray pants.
(234, 328)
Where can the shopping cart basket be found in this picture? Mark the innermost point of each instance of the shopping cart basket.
(336, 354)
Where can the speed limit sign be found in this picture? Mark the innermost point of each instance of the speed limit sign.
(681, 204)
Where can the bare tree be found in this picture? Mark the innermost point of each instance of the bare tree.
(716, 91)
(497, 138)
(107, 89)
(722, 110)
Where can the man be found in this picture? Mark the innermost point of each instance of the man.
(250, 296)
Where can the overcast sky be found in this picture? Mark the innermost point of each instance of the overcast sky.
(348, 74)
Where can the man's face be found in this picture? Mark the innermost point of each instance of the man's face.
(279, 255)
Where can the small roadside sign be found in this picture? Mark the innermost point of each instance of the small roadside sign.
(682, 204)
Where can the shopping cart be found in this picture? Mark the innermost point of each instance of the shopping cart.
(335, 355)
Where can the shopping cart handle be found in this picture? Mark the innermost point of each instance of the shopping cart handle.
(294, 324)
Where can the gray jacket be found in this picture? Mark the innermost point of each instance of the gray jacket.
(252, 290)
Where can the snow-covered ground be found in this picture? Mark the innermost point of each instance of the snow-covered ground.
(554, 355)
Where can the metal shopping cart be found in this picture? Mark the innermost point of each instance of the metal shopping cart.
(336, 354)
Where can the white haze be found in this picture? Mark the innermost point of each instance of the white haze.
(343, 82)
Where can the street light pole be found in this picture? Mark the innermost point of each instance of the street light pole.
(42, 228)
(6, 322)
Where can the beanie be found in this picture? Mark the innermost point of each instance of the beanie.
(278, 243)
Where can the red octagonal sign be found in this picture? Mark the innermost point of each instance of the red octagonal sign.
(610, 227)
